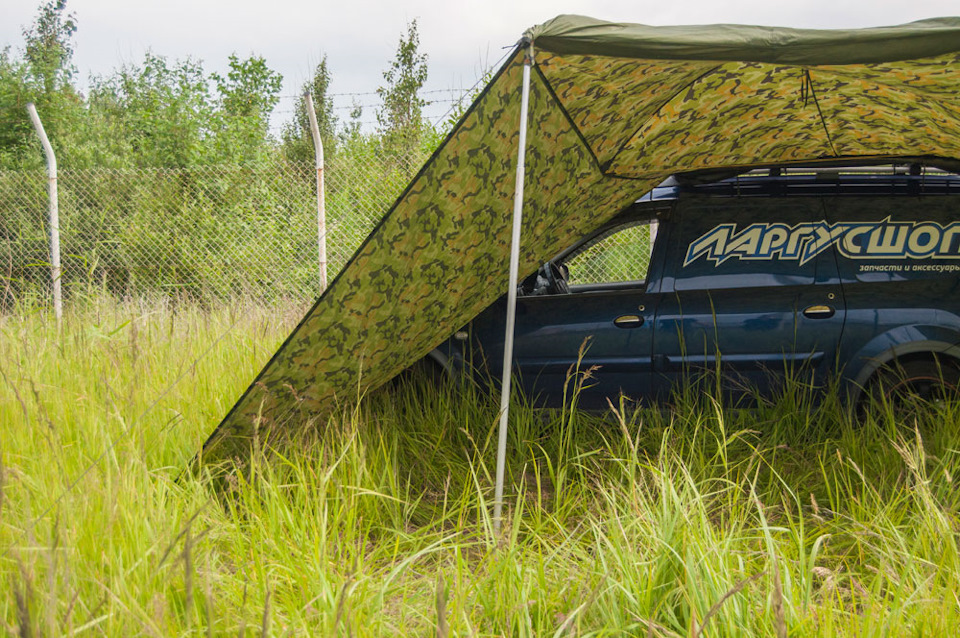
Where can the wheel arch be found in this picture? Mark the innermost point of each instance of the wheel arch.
(901, 344)
(440, 360)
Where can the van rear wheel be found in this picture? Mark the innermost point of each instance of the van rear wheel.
(426, 371)
(907, 385)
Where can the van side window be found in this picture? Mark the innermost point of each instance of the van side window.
(896, 238)
(747, 243)
(619, 255)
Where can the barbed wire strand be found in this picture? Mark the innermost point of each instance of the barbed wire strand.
(368, 93)
(483, 77)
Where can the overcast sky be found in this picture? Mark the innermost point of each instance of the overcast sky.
(360, 37)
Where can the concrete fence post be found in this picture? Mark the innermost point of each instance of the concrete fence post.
(321, 202)
(53, 211)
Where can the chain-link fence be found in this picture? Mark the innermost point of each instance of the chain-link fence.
(207, 233)
(220, 232)
(621, 255)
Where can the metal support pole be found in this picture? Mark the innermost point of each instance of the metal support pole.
(512, 293)
(53, 210)
(654, 227)
(321, 203)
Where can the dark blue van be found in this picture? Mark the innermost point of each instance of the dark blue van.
(848, 273)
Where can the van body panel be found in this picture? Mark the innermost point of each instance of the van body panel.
(751, 280)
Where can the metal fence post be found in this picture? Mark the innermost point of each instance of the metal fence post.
(53, 209)
(321, 203)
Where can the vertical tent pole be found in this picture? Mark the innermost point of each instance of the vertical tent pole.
(53, 211)
(321, 203)
(512, 292)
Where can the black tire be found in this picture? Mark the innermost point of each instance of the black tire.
(906, 385)
(426, 371)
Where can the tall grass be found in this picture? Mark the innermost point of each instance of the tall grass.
(786, 519)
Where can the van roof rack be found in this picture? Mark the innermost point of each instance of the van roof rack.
(831, 169)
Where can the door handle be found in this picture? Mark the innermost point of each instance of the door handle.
(628, 321)
(819, 311)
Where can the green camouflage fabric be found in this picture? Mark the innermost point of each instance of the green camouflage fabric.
(603, 130)
(638, 116)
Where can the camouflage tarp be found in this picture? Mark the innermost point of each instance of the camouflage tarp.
(614, 109)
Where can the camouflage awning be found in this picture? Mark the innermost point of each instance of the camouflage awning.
(614, 109)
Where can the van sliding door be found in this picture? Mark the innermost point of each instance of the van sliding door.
(750, 298)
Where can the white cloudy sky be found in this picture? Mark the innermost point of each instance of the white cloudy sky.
(360, 36)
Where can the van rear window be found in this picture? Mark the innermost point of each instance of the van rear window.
(896, 239)
(746, 243)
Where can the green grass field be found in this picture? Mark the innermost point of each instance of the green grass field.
(784, 520)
